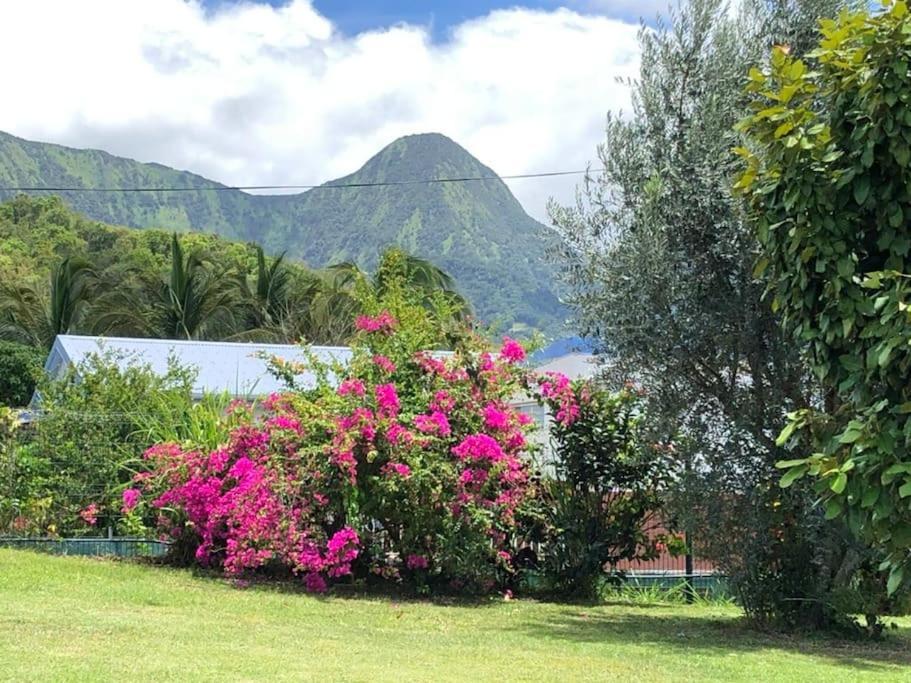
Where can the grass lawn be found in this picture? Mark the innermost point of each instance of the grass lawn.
(84, 619)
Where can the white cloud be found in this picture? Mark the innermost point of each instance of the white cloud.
(251, 94)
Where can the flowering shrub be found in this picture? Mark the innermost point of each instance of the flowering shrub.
(247, 505)
(405, 464)
(67, 472)
(605, 500)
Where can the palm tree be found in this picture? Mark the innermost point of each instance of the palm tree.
(332, 308)
(273, 285)
(335, 297)
(318, 308)
(269, 297)
(194, 301)
(36, 314)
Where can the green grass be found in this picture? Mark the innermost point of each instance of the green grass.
(85, 619)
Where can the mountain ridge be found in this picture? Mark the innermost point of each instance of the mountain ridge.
(476, 230)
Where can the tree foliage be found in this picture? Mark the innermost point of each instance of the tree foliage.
(658, 255)
(606, 499)
(87, 444)
(827, 173)
(36, 313)
(62, 273)
(20, 368)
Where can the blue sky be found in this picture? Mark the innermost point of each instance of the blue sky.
(440, 16)
(354, 16)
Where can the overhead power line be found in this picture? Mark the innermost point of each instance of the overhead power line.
(328, 186)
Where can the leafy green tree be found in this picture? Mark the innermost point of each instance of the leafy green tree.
(828, 177)
(196, 298)
(89, 440)
(658, 257)
(212, 288)
(289, 305)
(419, 275)
(195, 301)
(36, 314)
(20, 367)
(324, 306)
(605, 502)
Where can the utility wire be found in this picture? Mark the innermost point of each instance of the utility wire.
(327, 186)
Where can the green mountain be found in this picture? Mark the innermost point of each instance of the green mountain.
(475, 230)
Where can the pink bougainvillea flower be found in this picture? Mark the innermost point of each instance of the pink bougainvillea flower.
(396, 468)
(434, 423)
(277, 402)
(90, 514)
(494, 418)
(387, 400)
(130, 499)
(512, 350)
(242, 468)
(284, 422)
(558, 390)
(384, 364)
(352, 386)
(487, 364)
(479, 447)
(430, 365)
(347, 463)
(399, 435)
(476, 476)
(384, 323)
(417, 562)
(442, 402)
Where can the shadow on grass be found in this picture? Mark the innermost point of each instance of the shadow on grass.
(621, 622)
(712, 636)
(291, 585)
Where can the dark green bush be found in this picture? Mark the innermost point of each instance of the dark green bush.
(91, 430)
(20, 367)
(606, 495)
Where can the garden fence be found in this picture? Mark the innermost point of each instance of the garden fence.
(91, 546)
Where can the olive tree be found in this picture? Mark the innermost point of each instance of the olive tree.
(658, 256)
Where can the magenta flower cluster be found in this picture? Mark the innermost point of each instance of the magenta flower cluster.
(130, 500)
(558, 391)
(383, 323)
(400, 469)
(512, 350)
(244, 512)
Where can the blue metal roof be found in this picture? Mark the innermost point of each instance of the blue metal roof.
(221, 366)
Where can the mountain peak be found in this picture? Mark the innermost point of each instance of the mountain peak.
(419, 157)
(475, 230)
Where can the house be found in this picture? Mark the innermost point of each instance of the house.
(239, 369)
(575, 365)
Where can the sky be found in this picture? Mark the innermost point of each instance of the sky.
(301, 92)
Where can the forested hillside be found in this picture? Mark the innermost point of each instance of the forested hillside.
(475, 230)
(62, 273)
